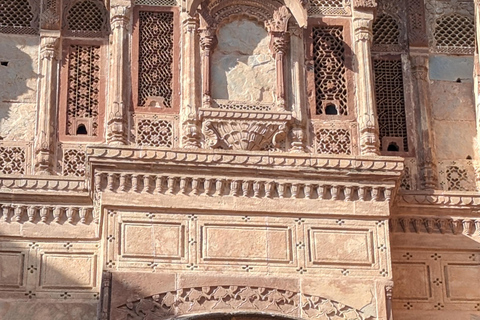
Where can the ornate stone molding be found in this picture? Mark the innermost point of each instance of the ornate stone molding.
(40, 185)
(440, 199)
(23, 213)
(50, 18)
(435, 225)
(237, 299)
(364, 4)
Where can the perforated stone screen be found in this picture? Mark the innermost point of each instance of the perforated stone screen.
(385, 31)
(86, 18)
(18, 16)
(155, 78)
(454, 33)
(329, 70)
(83, 89)
(156, 2)
(155, 133)
(390, 99)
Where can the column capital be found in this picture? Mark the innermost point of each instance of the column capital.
(207, 38)
(49, 45)
(119, 16)
(363, 29)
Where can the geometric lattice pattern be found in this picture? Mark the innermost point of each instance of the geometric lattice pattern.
(167, 3)
(333, 141)
(329, 69)
(12, 160)
(16, 16)
(155, 133)
(86, 18)
(155, 78)
(454, 31)
(457, 179)
(327, 3)
(390, 99)
(385, 31)
(83, 87)
(74, 163)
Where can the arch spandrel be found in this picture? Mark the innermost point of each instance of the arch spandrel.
(200, 302)
(296, 7)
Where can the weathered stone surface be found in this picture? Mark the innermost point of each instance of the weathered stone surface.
(19, 86)
(243, 68)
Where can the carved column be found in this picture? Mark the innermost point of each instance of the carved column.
(46, 103)
(297, 51)
(116, 121)
(189, 114)
(277, 28)
(207, 42)
(367, 116)
(426, 147)
(476, 83)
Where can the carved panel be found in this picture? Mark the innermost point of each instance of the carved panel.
(335, 138)
(390, 100)
(19, 16)
(154, 131)
(409, 176)
(68, 271)
(85, 18)
(74, 162)
(227, 243)
(435, 280)
(11, 269)
(417, 29)
(153, 241)
(13, 160)
(341, 246)
(457, 175)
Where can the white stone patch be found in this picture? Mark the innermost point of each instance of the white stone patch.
(18, 74)
(243, 69)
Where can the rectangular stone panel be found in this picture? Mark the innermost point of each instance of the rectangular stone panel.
(461, 281)
(412, 281)
(11, 269)
(340, 246)
(257, 243)
(153, 240)
(68, 271)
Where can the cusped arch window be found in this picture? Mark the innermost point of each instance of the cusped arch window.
(86, 18)
(19, 16)
(386, 31)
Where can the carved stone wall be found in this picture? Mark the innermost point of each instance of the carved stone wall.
(224, 159)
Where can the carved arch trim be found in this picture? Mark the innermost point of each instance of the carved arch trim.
(296, 7)
(237, 299)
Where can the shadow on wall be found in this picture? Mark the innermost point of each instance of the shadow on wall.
(18, 66)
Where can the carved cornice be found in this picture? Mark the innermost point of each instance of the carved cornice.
(41, 213)
(39, 185)
(244, 115)
(446, 199)
(435, 225)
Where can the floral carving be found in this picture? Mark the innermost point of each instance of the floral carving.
(237, 298)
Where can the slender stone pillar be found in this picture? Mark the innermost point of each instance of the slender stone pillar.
(207, 42)
(277, 28)
(367, 115)
(116, 113)
(476, 83)
(297, 52)
(47, 103)
(426, 147)
(189, 113)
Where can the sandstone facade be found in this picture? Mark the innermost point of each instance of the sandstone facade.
(239, 159)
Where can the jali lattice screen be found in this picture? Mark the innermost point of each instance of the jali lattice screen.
(155, 78)
(18, 16)
(329, 70)
(390, 99)
(83, 89)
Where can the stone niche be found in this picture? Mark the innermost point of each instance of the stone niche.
(243, 68)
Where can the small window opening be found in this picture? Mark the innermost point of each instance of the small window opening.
(469, 157)
(459, 80)
(82, 129)
(4, 63)
(331, 109)
(393, 147)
